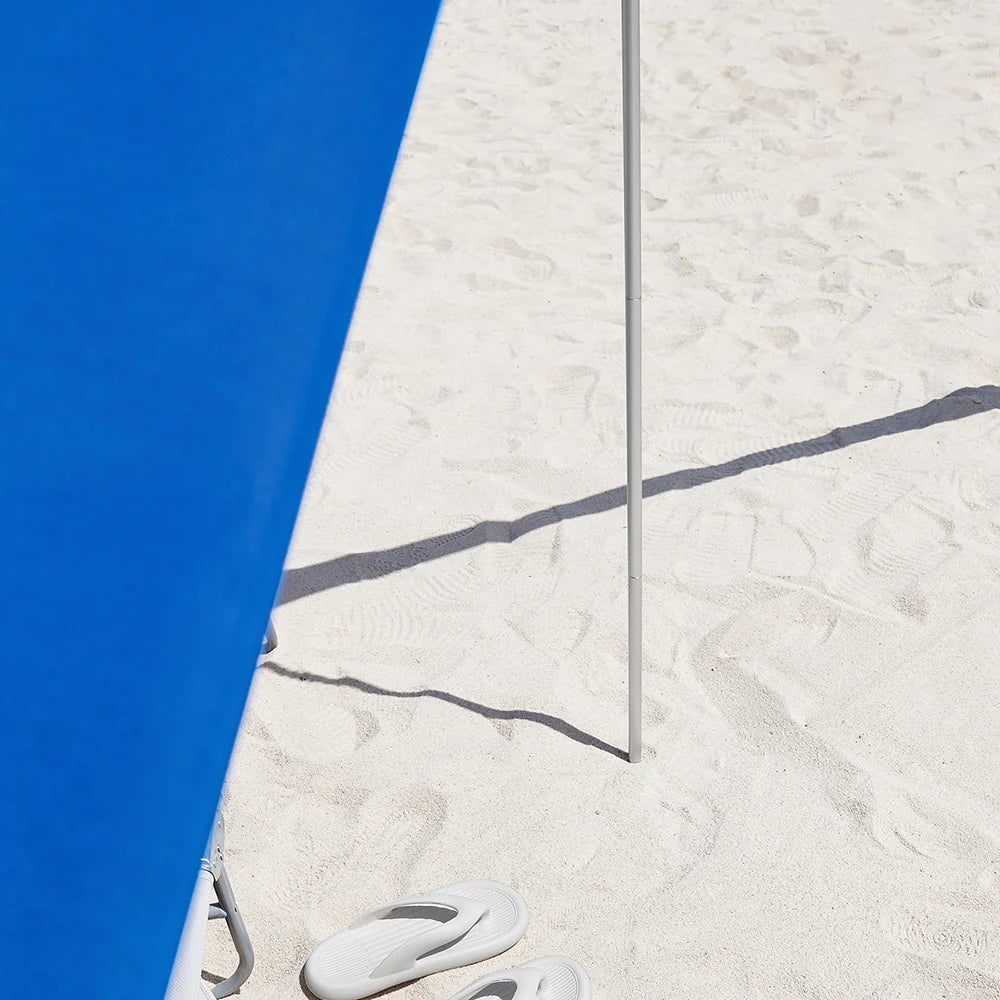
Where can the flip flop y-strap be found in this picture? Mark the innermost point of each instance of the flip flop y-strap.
(460, 914)
(527, 981)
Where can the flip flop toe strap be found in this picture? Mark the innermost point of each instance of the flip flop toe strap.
(455, 916)
(527, 982)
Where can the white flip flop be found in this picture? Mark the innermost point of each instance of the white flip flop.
(542, 979)
(416, 936)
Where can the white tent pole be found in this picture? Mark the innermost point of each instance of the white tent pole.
(633, 368)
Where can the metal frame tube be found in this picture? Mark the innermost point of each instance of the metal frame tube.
(238, 932)
(633, 366)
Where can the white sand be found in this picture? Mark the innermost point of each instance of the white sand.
(817, 812)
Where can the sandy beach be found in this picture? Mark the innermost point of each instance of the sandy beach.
(817, 814)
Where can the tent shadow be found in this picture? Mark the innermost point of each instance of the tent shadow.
(552, 722)
(355, 567)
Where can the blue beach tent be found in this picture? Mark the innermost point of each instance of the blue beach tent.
(188, 194)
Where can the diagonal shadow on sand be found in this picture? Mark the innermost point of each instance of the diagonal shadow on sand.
(514, 714)
(358, 566)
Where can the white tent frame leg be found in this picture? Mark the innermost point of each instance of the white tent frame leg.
(633, 367)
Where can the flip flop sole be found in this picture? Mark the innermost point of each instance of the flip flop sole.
(345, 966)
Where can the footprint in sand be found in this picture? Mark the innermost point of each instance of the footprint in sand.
(905, 541)
(700, 415)
(534, 265)
(782, 550)
(313, 724)
(572, 387)
(782, 338)
(393, 832)
(712, 146)
(808, 307)
(807, 205)
(370, 857)
(945, 934)
(845, 503)
(449, 572)
(400, 428)
(794, 56)
(358, 386)
(384, 625)
(691, 428)
(718, 549)
(729, 198)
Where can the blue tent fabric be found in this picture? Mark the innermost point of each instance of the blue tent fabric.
(188, 195)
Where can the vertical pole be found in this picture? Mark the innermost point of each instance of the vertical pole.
(633, 367)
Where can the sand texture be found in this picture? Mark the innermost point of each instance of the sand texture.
(818, 811)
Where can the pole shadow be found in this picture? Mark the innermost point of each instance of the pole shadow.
(357, 566)
(552, 722)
